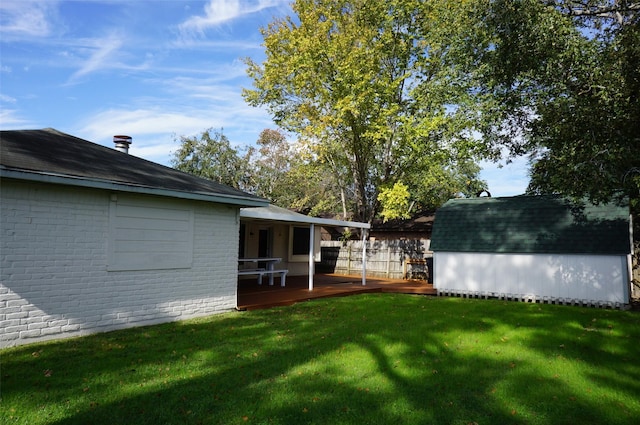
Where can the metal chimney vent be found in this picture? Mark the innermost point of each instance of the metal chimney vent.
(122, 143)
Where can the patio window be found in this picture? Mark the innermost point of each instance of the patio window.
(299, 243)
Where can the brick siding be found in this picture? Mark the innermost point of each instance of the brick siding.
(54, 281)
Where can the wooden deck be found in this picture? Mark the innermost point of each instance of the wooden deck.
(252, 296)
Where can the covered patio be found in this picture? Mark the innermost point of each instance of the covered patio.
(278, 225)
(273, 233)
(252, 296)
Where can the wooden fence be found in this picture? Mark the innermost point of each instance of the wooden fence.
(392, 259)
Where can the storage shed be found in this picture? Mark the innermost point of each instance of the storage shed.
(94, 239)
(534, 247)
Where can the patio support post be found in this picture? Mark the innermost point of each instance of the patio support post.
(311, 256)
(364, 257)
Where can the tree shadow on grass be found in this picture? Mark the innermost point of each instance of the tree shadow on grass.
(375, 359)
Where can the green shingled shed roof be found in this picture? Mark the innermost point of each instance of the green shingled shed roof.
(531, 224)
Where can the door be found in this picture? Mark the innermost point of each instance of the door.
(264, 244)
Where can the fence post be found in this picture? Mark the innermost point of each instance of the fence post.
(388, 272)
(364, 257)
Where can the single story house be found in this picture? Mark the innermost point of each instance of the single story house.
(95, 239)
(534, 247)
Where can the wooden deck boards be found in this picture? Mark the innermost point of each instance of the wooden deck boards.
(252, 296)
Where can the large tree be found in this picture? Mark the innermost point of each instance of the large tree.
(276, 169)
(590, 134)
(289, 176)
(272, 166)
(560, 80)
(368, 86)
(210, 155)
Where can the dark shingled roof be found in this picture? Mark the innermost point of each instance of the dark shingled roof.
(421, 223)
(52, 153)
(531, 224)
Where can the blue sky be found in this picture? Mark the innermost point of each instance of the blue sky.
(151, 69)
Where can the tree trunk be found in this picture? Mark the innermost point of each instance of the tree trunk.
(343, 198)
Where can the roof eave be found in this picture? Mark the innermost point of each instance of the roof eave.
(300, 219)
(131, 188)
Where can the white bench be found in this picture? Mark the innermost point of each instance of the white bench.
(261, 272)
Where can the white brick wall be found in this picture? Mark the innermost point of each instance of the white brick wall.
(54, 281)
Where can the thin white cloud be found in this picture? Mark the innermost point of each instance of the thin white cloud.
(102, 54)
(149, 149)
(217, 12)
(7, 99)
(219, 88)
(154, 128)
(10, 120)
(218, 45)
(19, 18)
(142, 122)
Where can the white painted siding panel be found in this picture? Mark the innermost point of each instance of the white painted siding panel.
(149, 234)
(580, 277)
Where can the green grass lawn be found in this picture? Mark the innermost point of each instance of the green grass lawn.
(366, 359)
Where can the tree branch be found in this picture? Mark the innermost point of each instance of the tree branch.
(621, 11)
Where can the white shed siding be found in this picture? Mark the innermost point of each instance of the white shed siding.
(577, 277)
(54, 280)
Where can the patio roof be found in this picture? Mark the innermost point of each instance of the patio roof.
(274, 213)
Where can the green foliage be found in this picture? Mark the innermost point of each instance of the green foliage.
(369, 86)
(560, 81)
(417, 91)
(211, 156)
(272, 166)
(289, 176)
(435, 182)
(279, 170)
(365, 359)
(591, 136)
(395, 201)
